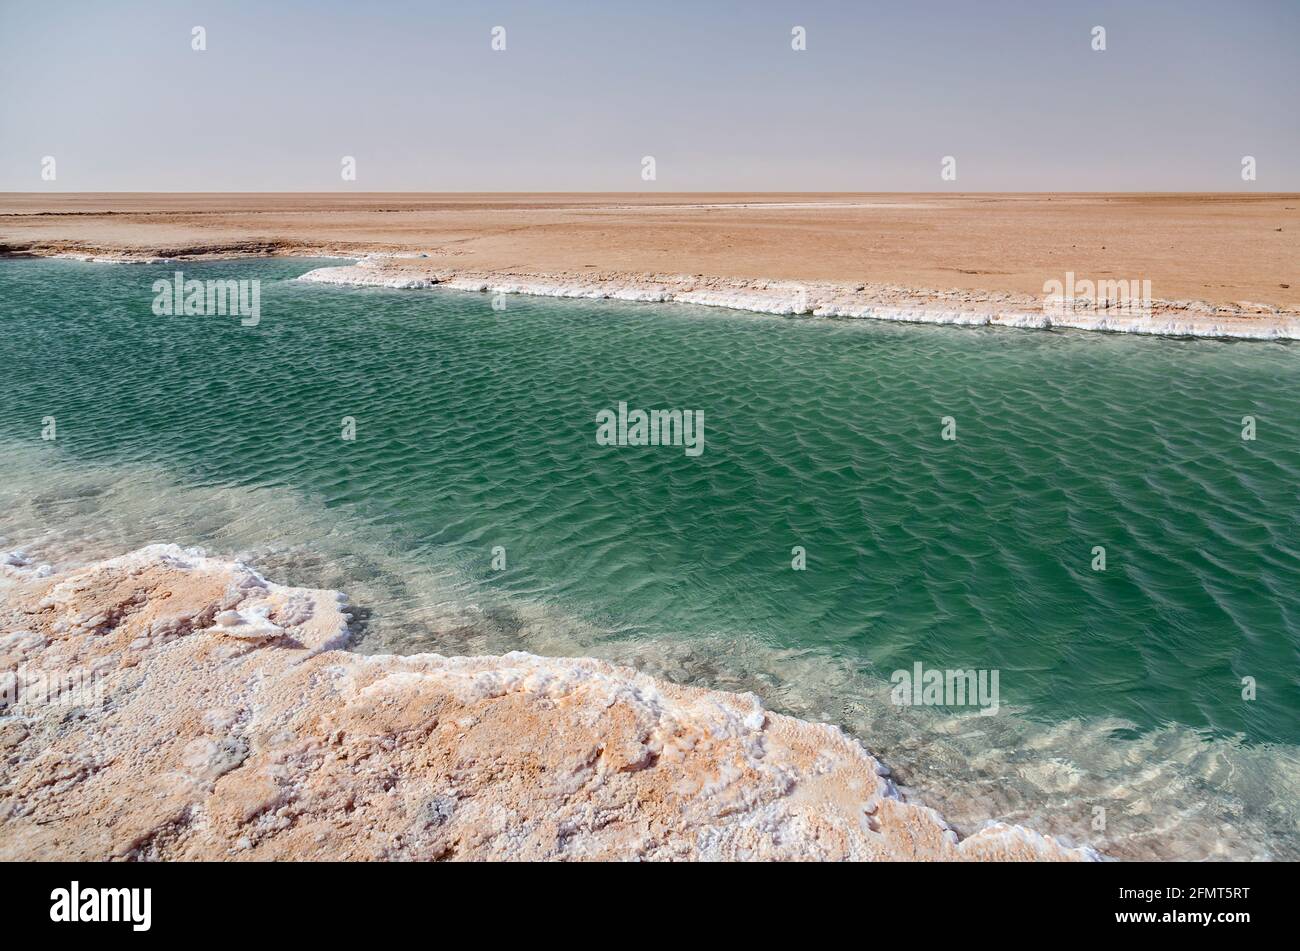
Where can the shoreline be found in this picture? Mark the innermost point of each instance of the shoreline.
(415, 270)
(1210, 264)
(234, 710)
(822, 299)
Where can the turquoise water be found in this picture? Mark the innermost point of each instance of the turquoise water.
(476, 428)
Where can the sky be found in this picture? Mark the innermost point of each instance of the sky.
(1013, 90)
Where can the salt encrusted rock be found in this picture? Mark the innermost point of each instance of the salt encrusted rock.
(229, 723)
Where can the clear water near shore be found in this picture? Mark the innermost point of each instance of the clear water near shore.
(476, 428)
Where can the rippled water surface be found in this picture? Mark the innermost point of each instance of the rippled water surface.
(476, 428)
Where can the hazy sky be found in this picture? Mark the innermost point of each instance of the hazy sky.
(1013, 90)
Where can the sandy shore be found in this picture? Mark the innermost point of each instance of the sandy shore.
(1235, 251)
(217, 715)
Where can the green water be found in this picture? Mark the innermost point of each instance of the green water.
(476, 428)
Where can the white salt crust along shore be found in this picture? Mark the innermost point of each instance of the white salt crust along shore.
(229, 721)
(1242, 320)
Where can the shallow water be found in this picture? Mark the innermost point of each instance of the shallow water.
(1119, 689)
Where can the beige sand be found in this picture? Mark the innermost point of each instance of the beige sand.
(1221, 248)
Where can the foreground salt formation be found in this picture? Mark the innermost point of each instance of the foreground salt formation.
(226, 720)
(1241, 320)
